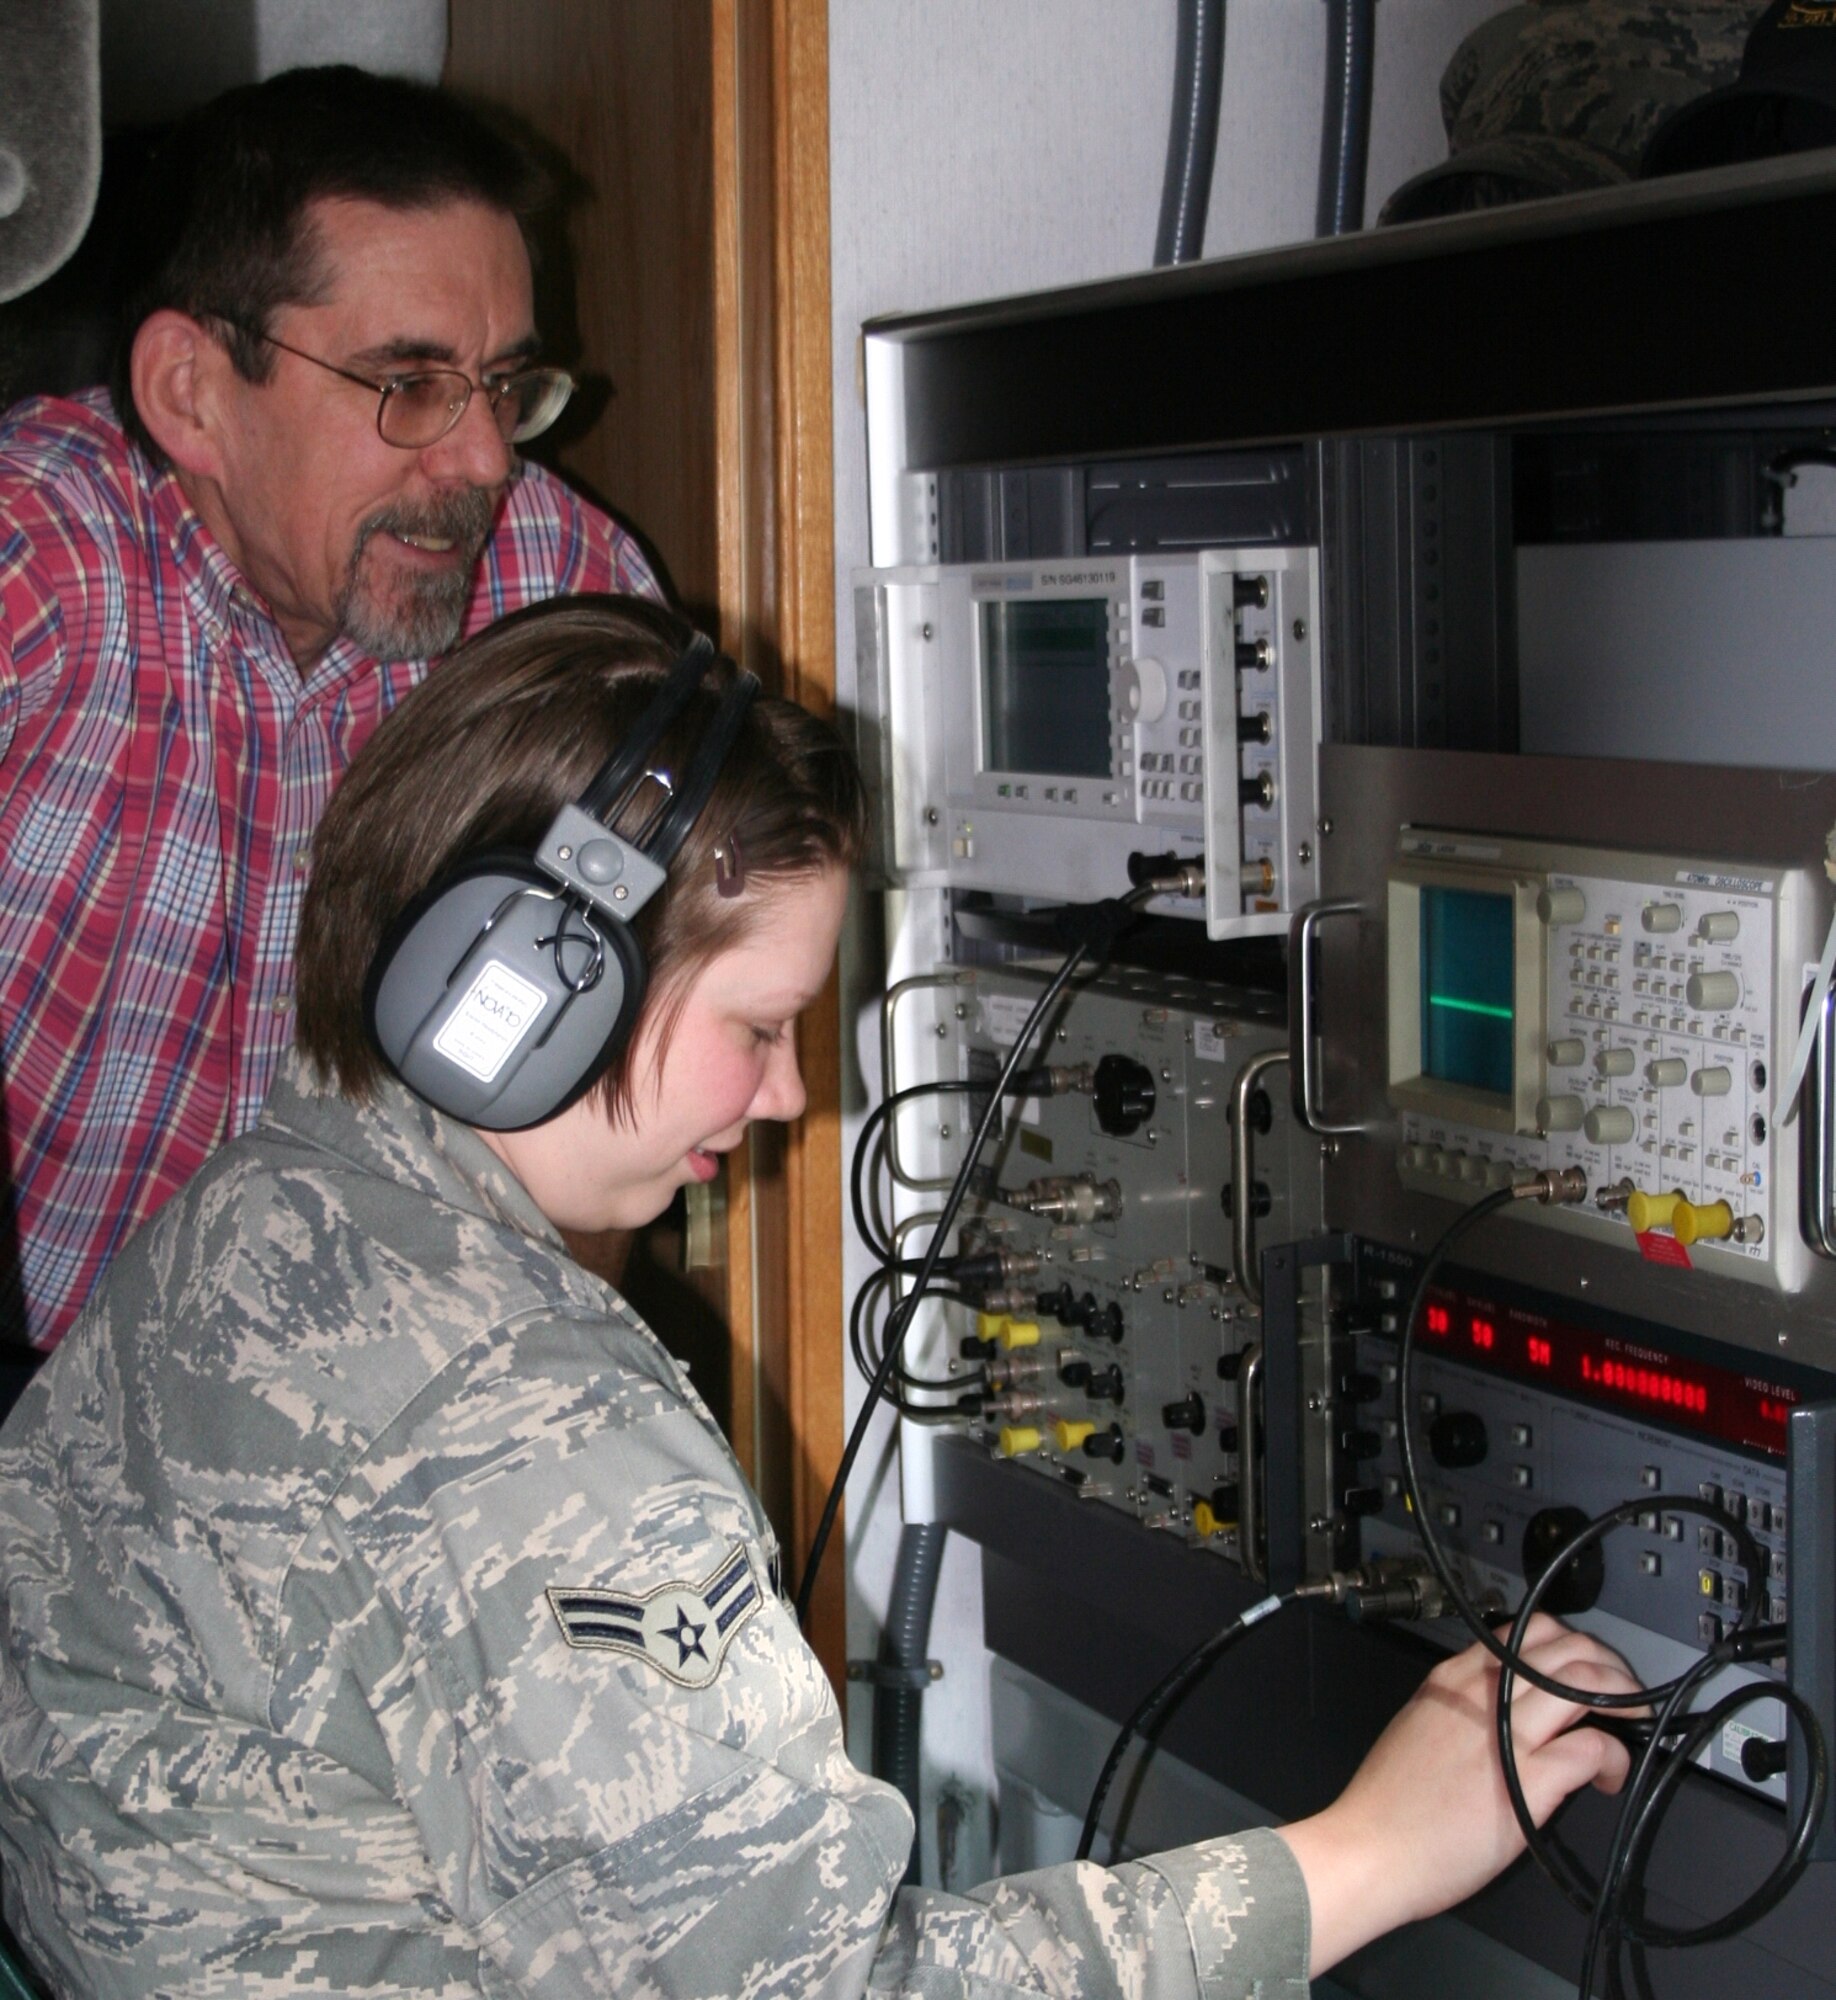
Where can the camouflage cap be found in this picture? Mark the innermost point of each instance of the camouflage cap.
(1783, 102)
(1560, 95)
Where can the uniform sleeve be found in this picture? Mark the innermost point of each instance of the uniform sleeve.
(556, 1594)
(1225, 1920)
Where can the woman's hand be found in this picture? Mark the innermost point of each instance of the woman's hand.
(1426, 1821)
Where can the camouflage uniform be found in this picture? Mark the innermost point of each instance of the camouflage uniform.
(385, 1614)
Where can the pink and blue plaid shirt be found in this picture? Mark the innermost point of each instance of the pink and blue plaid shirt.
(162, 767)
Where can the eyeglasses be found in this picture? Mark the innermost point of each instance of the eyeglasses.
(418, 408)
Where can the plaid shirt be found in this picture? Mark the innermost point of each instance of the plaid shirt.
(162, 767)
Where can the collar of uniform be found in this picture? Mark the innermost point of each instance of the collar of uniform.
(398, 1136)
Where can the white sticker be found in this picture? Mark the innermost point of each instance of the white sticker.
(1210, 1043)
(499, 1009)
(1004, 1015)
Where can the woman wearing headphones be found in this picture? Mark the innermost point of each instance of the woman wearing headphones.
(384, 1613)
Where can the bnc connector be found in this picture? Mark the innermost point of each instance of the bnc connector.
(1558, 1184)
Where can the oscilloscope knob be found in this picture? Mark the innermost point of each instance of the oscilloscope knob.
(1583, 1577)
(1560, 1114)
(1561, 906)
(1457, 1438)
(1609, 1125)
(1144, 690)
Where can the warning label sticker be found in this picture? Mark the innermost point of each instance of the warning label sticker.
(1657, 1248)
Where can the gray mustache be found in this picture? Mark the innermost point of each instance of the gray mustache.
(464, 518)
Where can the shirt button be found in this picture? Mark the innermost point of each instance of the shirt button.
(281, 1003)
(302, 860)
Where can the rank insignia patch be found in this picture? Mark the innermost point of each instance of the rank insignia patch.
(681, 1629)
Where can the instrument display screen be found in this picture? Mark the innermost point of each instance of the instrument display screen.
(1045, 687)
(1468, 977)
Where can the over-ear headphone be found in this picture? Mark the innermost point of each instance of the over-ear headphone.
(503, 991)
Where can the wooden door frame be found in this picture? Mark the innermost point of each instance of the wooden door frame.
(776, 552)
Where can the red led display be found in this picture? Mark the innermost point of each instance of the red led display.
(1614, 1372)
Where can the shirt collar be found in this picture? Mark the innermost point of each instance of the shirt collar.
(401, 1138)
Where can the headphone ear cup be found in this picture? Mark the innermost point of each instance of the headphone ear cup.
(499, 998)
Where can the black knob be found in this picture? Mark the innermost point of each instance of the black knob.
(1358, 1386)
(1105, 1444)
(1261, 1200)
(1252, 655)
(1230, 1366)
(1227, 1437)
(1225, 1500)
(1583, 1577)
(1074, 1371)
(1257, 791)
(1358, 1500)
(1057, 1305)
(1188, 1414)
(1108, 1322)
(1457, 1438)
(1256, 728)
(1105, 1385)
(1124, 1095)
(1249, 592)
(972, 1349)
(1360, 1443)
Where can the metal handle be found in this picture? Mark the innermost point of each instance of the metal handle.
(1249, 1464)
(1300, 1015)
(954, 976)
(1818, 1168)
(1243, 1173)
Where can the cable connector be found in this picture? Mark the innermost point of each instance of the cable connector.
(1558, 1184)
(1387, 1587)
(1762, 1642)
(1188, 880)
(1051, 1080)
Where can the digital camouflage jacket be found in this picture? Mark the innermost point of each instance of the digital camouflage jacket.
(384, 1614)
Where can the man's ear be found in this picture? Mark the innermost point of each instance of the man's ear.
(176, 371)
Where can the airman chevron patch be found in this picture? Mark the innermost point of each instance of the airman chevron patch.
(681, 1629)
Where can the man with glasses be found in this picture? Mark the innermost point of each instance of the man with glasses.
(214, 583)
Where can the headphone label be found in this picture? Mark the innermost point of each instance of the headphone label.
(483, 1030)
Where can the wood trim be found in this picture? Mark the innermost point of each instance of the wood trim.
(806, 556)
(776, 541)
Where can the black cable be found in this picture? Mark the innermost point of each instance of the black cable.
(1560, 1867)
(1099, 926)
(1603, 1918)
(1192, 132)
(1470, 1613)
(881, 1112)
(1161, 1697)
(1791, 1863)
(867, 1357)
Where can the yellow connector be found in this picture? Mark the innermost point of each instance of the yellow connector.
(1707, 1223)
(1068, 1435)
(1018, 1333)
(1016, 1440)
(1651, 1211)
(1206, 1523)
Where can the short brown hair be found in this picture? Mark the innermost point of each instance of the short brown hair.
(223, 203)
(493, 743)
